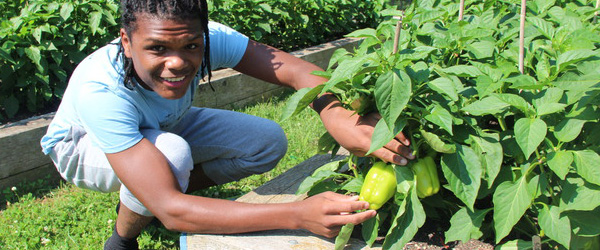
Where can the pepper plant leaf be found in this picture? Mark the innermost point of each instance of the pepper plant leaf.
(559, 162)
(585, 223)
(557, 227)
(407, 221)
(466, 225)
(579, 195)
(511, 200)
(437, 144)
(487, 106)
(568, 129)
(529, 133)
(441, 117)
(444, 86)
(587, 163)
(300, 100)
(463, 171)
(392, 92)
(489, 149)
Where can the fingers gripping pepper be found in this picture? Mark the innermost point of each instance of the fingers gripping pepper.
(379, 185)
(427, 179)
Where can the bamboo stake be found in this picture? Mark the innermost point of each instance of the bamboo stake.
(522, 37)
(596, 13)
(398, 29)
(461, 10)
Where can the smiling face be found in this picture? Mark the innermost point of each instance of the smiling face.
(166, 53)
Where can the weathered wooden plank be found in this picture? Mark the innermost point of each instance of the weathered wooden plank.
(20, 149)
(266, 240)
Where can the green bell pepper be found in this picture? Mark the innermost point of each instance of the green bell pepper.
(379, 185)
(426, 177)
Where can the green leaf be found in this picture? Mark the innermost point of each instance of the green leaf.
(66, 10)
(392, 92)
(568, 129)
(94, 21)
(516, 101)
(444, 86)
(585, 223)
(409, 218)
(343, 236)
(368, 32)
(482, 49)
(523, 82)
(463, 71)
(369, 230)
(486, 85)
(382, 134)
(560, 162)
(299, 101)
(466, 225)
(11, 106)
(573, 56)
(441, 117)
(556, 227)
(529, 133)
(587, 164)
(35, 55)
(579, 195)
(515, 245)
(511, 200)
(544, 27)
(345, 71)
(547, 101)
(487, 106)
(437, 144)
(489, 149)
(463, 171)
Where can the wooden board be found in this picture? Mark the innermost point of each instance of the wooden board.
(279, 190)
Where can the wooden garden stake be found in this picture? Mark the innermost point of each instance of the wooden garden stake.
(522, 37)
(596, 13)
(461, 10)
(398, 29)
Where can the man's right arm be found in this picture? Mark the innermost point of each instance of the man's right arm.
(146, 173)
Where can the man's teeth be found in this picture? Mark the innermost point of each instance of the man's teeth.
(174, 79)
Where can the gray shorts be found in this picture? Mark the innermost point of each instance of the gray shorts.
(229, 146)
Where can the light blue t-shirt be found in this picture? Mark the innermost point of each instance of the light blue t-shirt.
(111, 114)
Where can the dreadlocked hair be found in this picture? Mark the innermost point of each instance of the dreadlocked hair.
(170, 9)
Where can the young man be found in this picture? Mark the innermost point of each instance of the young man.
(126, 123)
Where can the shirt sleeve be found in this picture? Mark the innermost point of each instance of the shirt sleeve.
(111, 121)
(227, 46)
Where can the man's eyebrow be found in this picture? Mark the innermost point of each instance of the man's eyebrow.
(158, 40)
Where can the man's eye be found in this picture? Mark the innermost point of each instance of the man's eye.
(193, 46)
(157, 48)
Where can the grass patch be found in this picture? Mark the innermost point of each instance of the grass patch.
(68, 217)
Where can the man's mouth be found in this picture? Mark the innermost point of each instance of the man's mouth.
(173, 79)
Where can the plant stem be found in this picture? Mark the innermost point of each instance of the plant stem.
(502, 123)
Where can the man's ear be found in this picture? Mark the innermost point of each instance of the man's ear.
(126, 42)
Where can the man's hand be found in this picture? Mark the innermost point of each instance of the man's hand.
(354, 132)
(326, 213)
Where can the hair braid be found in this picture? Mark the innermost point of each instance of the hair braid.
(172, 9)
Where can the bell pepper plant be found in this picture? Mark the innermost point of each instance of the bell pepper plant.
(518, 150)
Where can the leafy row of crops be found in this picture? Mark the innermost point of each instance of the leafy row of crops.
(517, 150)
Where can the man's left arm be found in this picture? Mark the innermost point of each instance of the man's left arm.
(352, 131)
